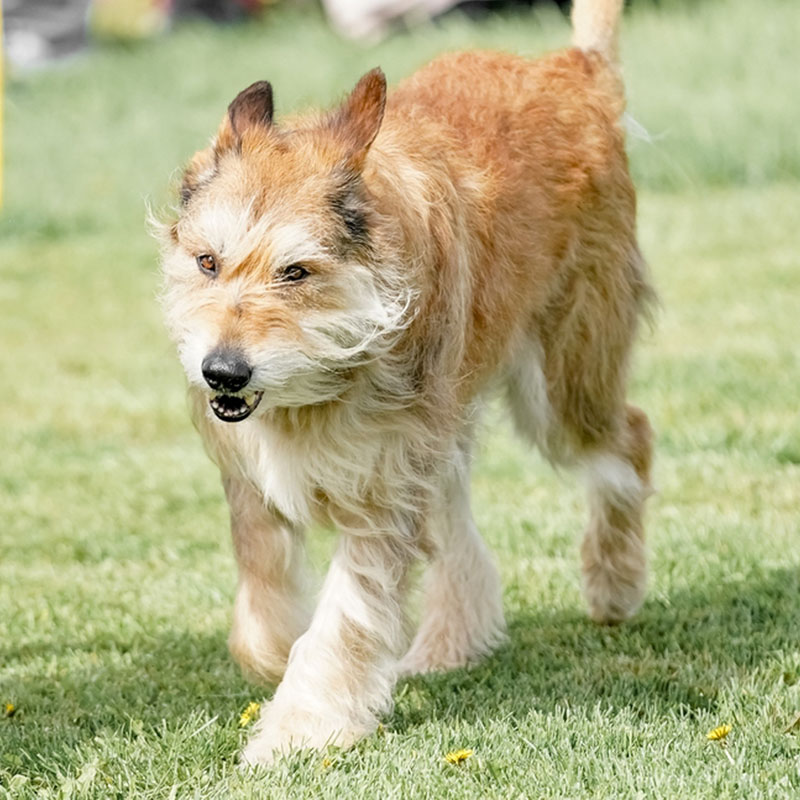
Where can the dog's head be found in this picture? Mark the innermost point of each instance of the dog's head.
(273, 287)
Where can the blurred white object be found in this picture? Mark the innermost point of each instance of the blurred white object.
(370, 19)
(40, 32)
(26, 49)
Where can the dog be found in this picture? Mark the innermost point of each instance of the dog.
(345, 289)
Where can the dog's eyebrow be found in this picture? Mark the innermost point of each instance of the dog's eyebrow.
(290, 242)
(223, 227)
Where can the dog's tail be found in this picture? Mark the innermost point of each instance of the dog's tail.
(595, 24)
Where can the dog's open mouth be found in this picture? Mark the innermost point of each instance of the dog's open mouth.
(231, 408)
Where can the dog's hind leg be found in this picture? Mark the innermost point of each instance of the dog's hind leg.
(614, 451)
(463, 613)
(614, 562)
(587, 337)
(268, 614)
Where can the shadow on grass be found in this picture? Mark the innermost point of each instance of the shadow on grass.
(161, 685)
(671, 659)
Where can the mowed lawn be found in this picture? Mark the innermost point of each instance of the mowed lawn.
(116, 572)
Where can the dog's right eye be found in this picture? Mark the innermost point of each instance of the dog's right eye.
(294, 273)
(207, 264)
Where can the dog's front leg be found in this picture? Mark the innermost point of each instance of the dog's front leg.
(342, 670)
(268, 614)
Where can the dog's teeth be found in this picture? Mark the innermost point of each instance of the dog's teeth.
(234, 407)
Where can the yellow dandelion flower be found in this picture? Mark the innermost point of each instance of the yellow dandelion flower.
(457, 756)
(326, 762)
(249, 714)
(719, 733)
(9, 709)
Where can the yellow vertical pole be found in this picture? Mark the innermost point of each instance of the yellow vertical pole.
(2, 98)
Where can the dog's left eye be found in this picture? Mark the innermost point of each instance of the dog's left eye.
(207, 264)
(294, 273)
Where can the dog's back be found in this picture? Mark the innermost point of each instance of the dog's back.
(526, 175)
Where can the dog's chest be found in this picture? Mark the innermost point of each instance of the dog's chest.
(300, 473)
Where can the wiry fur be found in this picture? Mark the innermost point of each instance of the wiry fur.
(477, 227)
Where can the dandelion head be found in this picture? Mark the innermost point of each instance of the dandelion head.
(249, 714)
(719, 733)
(457, 756)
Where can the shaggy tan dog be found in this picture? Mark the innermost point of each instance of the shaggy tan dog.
(344, 290)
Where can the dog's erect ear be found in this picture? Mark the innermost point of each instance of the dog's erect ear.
(359, 119)
(251, 108)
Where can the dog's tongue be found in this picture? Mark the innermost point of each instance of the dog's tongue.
(229, 408)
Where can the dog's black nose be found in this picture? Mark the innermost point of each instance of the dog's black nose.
(226, 370)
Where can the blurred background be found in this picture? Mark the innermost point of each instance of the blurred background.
(39, 32)
(116, 578)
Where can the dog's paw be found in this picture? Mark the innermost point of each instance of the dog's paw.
(259, 662)
(420, 664)
(282, 731)
(424, 656)
(442, 650)
(612, 599)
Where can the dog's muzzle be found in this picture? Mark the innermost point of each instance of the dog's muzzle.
(226, 371)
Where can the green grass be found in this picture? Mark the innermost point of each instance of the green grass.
(116, 576)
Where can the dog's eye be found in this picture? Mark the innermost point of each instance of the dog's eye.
(294, 273)
(207, 264)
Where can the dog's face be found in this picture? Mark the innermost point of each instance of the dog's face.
(273, 289)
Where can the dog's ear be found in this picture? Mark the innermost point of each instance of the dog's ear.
(251, 108)
(358, 120)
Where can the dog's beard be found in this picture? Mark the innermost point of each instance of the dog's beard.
(335, 346)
